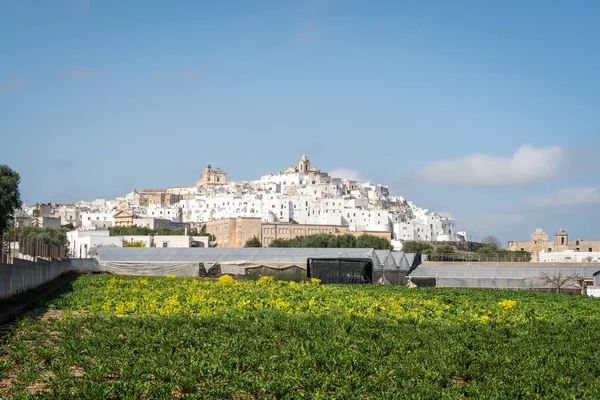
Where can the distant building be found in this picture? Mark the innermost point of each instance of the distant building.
(68, 213)
(123, 217)
(157, 197)
(539, 242)
(96, 220)
(156, 223)
(233, 232)
(212, 177)
(40, 222)
(42, 210)
(270, 232)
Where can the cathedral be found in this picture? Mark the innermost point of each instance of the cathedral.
(212, 177)
(303, 166)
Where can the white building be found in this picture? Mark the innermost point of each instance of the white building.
(80, 242)
(96, 220)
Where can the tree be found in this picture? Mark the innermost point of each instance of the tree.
(374, 242)
(492, 240)
(211, 237)
(279, 243)
(53, 236)
(253, 242)
(346, 241)
(10, 198)
(130, 231)
(445, 248)
(328, 240)
(442, 252)
(414, 246)
(559, 281)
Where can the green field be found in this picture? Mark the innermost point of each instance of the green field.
(132, 337)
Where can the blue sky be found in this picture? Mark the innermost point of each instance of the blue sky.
(485, 109)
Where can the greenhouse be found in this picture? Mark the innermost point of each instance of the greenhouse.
(233, 261)
(391, 267)
(501, 277)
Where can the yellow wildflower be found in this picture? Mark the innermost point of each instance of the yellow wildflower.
(508, 305)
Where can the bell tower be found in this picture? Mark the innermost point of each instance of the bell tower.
(561, 238)
(304, 164)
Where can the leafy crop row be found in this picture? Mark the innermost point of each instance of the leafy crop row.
(132, 337)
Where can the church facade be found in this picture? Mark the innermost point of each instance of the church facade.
(212, 177)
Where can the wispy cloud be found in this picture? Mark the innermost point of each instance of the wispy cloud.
(17, 84)
(345, 173)
(81, 73)
(526, 166)
(309, 32)
(568, 197)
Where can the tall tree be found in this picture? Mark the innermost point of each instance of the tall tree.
(492, 240)
(10, 198)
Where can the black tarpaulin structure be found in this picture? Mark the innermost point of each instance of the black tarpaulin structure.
(341, 270)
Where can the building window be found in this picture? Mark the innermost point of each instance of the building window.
(590, 249)
(165, 244)
(549, 249)
(577, 243)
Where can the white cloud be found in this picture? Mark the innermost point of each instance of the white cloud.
(527, 165)
(576, 196)
(346, 174)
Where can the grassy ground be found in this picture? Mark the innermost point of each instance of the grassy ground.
(109, 337)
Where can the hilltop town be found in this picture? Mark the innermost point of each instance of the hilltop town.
(301, 200)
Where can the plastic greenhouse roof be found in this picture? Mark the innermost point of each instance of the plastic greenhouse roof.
(500, 271)
(248, 255)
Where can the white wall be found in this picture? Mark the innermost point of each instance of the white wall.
(80, 242)
(569, 256)
(172, 241)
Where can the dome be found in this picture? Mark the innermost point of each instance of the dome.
(561, 232)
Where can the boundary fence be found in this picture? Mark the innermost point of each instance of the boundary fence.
(18, 246)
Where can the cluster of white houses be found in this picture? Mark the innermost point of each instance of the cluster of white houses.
(303, 196)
